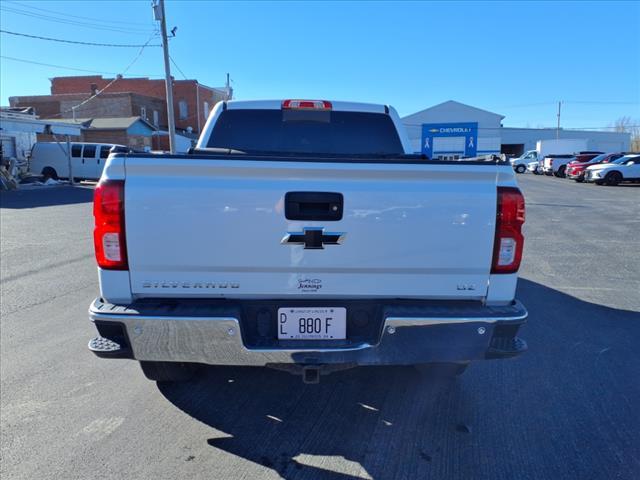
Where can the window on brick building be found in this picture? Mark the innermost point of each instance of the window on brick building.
(206, 109)
(143, 113)
(156, 118)
(183, 109)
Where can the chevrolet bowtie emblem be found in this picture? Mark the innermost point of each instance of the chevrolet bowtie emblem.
(314, 238)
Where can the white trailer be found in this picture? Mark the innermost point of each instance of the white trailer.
(561, 146)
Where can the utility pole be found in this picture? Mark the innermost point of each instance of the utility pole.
(158, 11)
(558, 129)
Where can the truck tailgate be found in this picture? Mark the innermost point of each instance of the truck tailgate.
(207, 227)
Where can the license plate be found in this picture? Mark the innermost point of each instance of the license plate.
(312, 323)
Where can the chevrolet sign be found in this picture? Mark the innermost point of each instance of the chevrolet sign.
(433, 148)
(451, 130)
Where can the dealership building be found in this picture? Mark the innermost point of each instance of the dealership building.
(453, 130)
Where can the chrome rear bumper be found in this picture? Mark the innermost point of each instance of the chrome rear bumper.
(407, 335)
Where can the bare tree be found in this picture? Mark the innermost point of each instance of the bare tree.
(627, 125)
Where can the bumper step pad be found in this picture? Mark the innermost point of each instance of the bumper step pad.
(104, 347)
(505, 347)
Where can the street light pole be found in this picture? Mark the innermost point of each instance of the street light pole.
(159, 12)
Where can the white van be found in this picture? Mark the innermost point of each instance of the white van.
(87, 159)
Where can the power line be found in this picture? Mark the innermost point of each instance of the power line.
(601, 128)
(112, 81)
(527, 105)
(179, 69)
(584, 102)
(72, 68)
(121, 45)
(589, 102)
(76, 23)
(24, 5)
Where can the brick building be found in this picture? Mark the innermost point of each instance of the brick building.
(192, 101)
(105, 105)
(127, 97)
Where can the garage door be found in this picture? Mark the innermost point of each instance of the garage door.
(448, 148)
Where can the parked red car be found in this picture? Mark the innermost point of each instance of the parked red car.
(576, 169)
(583, 157)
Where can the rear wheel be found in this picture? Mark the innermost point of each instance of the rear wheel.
(612, 179)
(521, 169)
(579, 179)
(49, 172)
(561, 171)
(168, 371)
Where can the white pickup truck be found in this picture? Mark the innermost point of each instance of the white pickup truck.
(302, 235)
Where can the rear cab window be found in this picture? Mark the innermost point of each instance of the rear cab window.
(306, 132)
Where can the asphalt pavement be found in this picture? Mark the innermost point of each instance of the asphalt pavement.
(569, 408)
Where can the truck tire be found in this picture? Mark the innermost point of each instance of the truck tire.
(168, 371)
(442, 370)
(562, 171)
(49, 172)
(521, 169)
(612, 179)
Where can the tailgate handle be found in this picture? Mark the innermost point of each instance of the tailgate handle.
(321, 206)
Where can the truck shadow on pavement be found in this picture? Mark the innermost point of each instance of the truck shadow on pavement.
(46, 196)
(538, 416)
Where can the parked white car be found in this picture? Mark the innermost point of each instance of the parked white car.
(534, 167)
(624, 169)
(556, 164)
(521, 163)
(87, 159)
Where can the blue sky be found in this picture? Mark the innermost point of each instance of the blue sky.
(517, 59)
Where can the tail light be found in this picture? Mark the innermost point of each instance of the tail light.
(509, 241)
(108, 234)
(306, 105)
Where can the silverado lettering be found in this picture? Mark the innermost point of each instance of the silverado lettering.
(172, 284)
